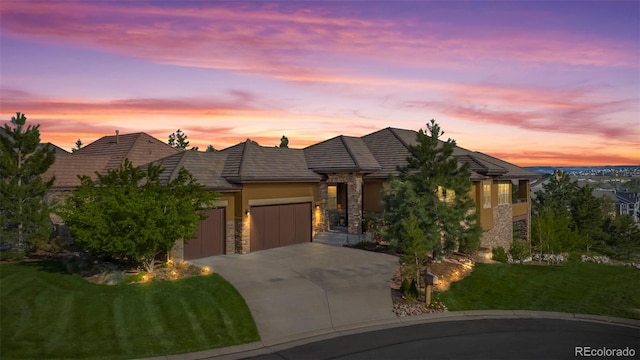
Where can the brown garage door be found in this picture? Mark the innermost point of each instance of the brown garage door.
(210, 236)
(280, 225)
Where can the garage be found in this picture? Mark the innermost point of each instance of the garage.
(280, 225)
(210, 236)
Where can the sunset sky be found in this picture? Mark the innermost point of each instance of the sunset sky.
(534, 83)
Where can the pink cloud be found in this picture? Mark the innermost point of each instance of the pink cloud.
(286, 43)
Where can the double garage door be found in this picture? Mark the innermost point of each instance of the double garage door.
(210, 236)
(280, 225)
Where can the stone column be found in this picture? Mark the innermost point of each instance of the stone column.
(354, 201)
(230, 245)
(323, 197)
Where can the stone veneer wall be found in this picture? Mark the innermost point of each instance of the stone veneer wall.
(502, 232)
(230, 237)
(354, 199)
(322, 223)
(243, 235)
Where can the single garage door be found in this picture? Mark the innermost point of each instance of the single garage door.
(280, 225)
(210, 236)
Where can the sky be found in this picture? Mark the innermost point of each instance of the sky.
(531, 82)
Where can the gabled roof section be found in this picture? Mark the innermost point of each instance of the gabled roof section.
(140, 148)
(68, 167)
(57, 149)
(206, 168)
(341, 153)
(248, 162)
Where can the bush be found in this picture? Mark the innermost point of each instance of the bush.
(499, 254)
(409, 289)
(519, 249)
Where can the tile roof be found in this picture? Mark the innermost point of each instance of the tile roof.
(248, 162)
(341, 153)
(140, 148)
(206, 167)
(56, 148)
(68, 167)
(390, 148)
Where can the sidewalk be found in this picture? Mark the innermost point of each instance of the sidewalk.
(260, 348)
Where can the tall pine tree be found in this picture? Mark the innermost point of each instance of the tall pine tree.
(434, 189)
(24, 213)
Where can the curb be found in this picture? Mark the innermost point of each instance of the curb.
(261, 348)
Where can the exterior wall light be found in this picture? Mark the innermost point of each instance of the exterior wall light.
(247, 212)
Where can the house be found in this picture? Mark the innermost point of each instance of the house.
(274, 197)
(628, 203)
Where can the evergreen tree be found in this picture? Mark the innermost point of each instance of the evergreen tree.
(210, 148)
(24, 214)
(284, 142)
(78, 146)
(556, 194)
(445, 223)
(178, 140)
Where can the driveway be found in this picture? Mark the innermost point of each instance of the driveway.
(309, 289)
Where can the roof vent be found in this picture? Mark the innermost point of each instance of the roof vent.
(117, 136)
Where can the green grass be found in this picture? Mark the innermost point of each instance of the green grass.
(46, 313)
(574, 287)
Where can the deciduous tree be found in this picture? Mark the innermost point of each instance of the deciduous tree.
(24, 214)
(130, 213)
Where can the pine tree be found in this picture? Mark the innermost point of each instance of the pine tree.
(210, 148)
(284, 142)
(78, 146)
(431, 170)
(24, 213)
(178, 139)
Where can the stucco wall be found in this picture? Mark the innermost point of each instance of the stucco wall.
(372, 196)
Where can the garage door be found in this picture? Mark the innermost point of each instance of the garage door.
(280, 225)
(210, 236)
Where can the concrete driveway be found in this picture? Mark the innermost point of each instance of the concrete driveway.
(309, 289)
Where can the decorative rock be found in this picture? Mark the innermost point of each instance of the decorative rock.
(413, 309)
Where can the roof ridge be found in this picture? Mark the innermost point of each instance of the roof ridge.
(355, 161)
(176, 170)
(126, 156)
(392, 130)
(242, 159)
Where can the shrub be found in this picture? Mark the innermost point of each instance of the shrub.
(519, 249)
(499, 254)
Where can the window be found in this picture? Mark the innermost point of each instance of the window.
(503, 194)
(450, 194)
(332, 198)
(486, 193)
(446, 194)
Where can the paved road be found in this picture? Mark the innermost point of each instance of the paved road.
(472, 339)
(309, 289)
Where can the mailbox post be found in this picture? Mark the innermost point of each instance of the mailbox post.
(429, 280)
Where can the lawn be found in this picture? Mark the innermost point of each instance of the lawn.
(574, 287)
(46, 313)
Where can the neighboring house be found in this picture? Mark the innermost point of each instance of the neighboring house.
(628, 203)
(273, 197)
